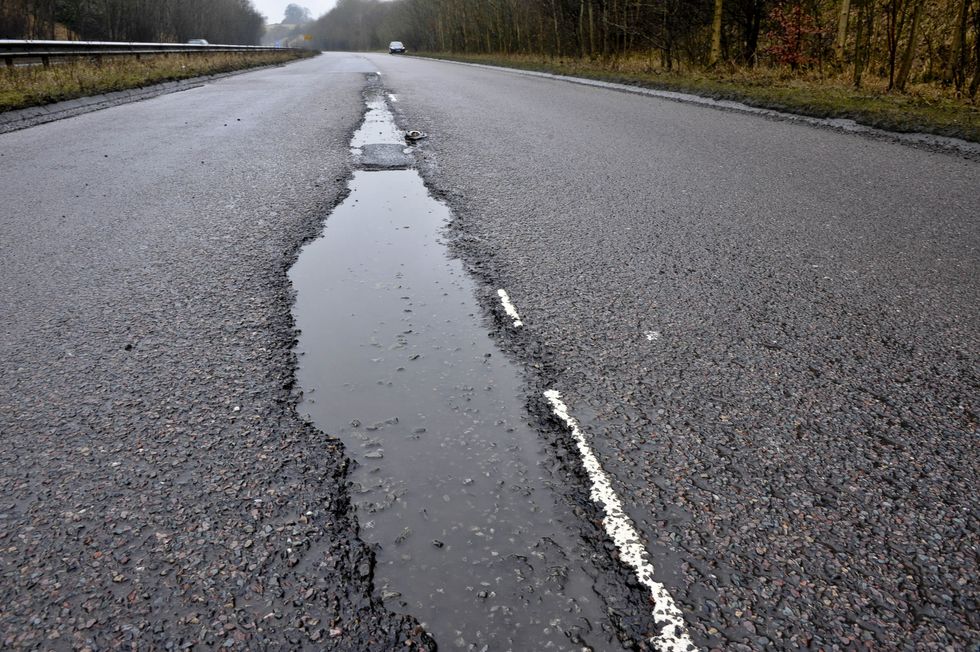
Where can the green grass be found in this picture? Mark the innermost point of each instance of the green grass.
(26, 86)
(923, 108)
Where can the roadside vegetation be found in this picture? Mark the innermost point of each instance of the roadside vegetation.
(922, 108)
(908, 65)
(229, 22)
(25, 86)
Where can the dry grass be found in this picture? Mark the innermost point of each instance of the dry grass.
(25, 86)
(926, 108)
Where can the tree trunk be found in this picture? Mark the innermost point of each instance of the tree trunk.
(605, 32)
(975, 84)
(906, 68)
(845, 10)
(954, 66)
(591, 31)
(862, 40)
(554, 16)
(891, 37)
(752, 34)
(715, 54)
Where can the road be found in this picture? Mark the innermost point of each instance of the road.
(766, 332)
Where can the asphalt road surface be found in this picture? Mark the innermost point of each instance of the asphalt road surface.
(766, 332)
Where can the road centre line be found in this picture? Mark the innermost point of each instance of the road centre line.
(673, 637)
(509, 308)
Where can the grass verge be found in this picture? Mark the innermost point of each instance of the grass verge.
(923, 108)
(25, 86)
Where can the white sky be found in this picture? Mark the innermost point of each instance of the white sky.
(273, 10)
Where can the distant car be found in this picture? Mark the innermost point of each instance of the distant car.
(396, 47)
(197, 41)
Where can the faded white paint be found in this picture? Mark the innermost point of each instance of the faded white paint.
(509, 308)
(652, 336)
(673, 637)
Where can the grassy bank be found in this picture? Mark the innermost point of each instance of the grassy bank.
(924, 108)
(25, 86)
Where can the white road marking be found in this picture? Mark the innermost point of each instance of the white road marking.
(673, 637)
(509, 308)
(652, 336)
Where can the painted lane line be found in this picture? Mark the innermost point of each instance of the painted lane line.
(509, 308)
(673, 637)
(652, 336)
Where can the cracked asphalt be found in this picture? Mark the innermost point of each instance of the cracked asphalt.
(767, 331)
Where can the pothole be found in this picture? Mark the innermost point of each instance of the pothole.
(451, 483)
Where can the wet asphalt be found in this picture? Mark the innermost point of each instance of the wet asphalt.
(465, 508)
(157, 488)
(452, 485)
(767, 331)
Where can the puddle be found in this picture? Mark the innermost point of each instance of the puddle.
(451, 484)
(378, 127)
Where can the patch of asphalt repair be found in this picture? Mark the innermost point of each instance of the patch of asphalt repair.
(947, 144)
(490, 565)
(157, 488)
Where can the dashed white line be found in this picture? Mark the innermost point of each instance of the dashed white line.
(673, 637)
(652, 336)
(509, 308)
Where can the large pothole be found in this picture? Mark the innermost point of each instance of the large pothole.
(451, 483)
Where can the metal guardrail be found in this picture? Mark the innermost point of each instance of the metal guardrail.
(12, 51)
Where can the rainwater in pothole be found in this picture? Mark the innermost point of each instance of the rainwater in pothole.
(451, 485)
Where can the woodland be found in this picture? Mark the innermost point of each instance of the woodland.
(156, 21)
(896, 41)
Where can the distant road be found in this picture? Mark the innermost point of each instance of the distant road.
(768, 333)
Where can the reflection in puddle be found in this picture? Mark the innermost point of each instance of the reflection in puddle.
(450, 483)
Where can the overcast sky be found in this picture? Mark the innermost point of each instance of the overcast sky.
(273, 10)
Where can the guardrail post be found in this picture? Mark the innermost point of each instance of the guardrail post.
(9, 61)
(45, 61)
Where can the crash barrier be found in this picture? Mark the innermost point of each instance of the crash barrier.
(25, 52)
